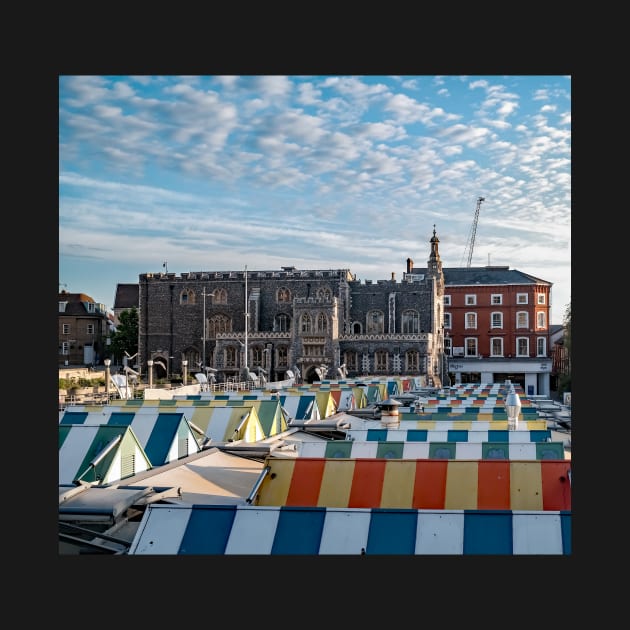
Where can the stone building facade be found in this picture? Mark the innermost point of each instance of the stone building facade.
(313, 323)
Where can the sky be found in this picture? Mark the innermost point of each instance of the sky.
(217, 173)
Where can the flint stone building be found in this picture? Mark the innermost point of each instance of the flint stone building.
(314, 323)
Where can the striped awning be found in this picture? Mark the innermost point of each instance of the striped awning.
(249, 530)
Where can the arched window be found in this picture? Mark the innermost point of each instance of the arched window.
(281, 323)
(230, 357)
(219, 296)
(412, 361)
(380, 360)
(410, 322)
(283, 295)
(374, 323)
(187, 296)
(282, 355)
(350, 358)
(324, 293)
(219, 324)
(322, 323)
(356, 328)
(306, 324)
(257, 356)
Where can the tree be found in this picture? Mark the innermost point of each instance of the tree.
(125, 339)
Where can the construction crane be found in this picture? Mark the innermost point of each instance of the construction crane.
(473, 231)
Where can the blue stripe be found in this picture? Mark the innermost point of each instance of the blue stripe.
(162, 436)
(488, 532)
(74, 417)
(565, 525)
(123, 418)
(208, 530)
(392, 532)
(496, 435)
(376, 435)
(299, 531)
(417, 435)
(457, 435)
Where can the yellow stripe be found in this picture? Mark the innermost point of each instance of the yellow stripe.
(398, 484)
(462, 424)
(275, 491)
(336, 483)
(461, 486)
(526, 486)
(425, 424)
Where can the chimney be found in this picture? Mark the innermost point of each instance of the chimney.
(409, 265)
(393, 276)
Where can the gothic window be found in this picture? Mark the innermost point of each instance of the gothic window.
(374, 323)
(380, 360)
(187, 296)
(410, 322)
(282, 355)
(230, 357)
(281, 323)
(284, 295)
(257, 356)
(219, 324)
(351, 360)
(219, 296)
(324, 293)
(306, 324)
(412, 361)
(322, 323)
(356, 328)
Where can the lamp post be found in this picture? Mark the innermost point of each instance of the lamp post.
(246, 321)
(203, 356)
(185, 366)
(107, 363)
(150, 366)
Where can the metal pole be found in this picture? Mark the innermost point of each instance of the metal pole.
(150, 366)
(203, 358)
(246, 317)
(107, 363)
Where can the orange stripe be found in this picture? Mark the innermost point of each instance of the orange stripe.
(555, 485)
(306, 481)
(367, 483)
(430, 484)
(493, 491)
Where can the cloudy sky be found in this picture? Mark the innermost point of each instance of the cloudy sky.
(205, 173)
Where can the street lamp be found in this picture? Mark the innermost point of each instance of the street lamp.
(185, 366)
(150, 366)
(203, 357)
(107, 363)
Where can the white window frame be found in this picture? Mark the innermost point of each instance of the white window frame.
(65, 347)
(496, 341)
(447, 300)
(541, 346)
(541, 320)
(525, 316)
(525, 341)
(448, 320)
(541, 298)
(90, 329)
(66, 329)
(499, 316)
(522, 298)
(472, 341)
(471, 299)
(473, 315)
(496, 299)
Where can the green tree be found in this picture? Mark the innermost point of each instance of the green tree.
(125, 339)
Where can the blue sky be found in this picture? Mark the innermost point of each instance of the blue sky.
(319, 172)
